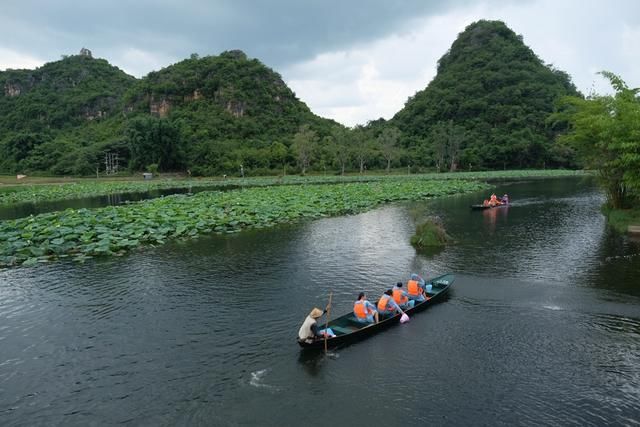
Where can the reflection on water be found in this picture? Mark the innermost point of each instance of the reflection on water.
(541, 326)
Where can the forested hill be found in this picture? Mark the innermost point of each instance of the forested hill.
(487, 108)
(488, 105)
(224, 111)
(38, 106)
(208, 114)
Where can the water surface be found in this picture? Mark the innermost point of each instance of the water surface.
(542, 325)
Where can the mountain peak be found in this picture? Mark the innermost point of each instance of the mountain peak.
(494, 93)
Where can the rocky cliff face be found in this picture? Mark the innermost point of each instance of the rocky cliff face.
(12, 89)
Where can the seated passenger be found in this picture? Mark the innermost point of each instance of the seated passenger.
(505, 199)
(417, 277)
(415, 291)
(486, 202)
(401, 297)
(364, 311)
(493, 201)
(387, 306)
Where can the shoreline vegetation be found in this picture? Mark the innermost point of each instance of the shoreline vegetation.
(621, 219)
(430, 234)
(39, 189)
(81, 234)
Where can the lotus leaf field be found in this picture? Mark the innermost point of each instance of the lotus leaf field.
(83, 233)
(48, 192)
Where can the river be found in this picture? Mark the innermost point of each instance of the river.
(542, 325)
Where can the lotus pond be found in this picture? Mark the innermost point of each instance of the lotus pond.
(48, 192)
(84, 233)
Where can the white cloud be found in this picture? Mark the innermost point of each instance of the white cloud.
(139, 62)
(16, 60)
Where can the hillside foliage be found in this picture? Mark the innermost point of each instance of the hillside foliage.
(487, 108)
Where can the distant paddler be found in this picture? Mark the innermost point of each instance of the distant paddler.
(493, 201)
(309, 330)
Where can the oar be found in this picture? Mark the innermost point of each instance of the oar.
(326, 327)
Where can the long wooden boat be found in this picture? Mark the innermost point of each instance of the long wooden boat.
(481, 207)
(347, 329)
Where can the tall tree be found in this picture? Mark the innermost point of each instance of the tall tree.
(362, 146)
(446, 139)
(388, 143)
(606, 132)
(339, 147)
(304, 145)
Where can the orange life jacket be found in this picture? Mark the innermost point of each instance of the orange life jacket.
(360, 310)
(399, 297)
(413, 288)
(383, 303)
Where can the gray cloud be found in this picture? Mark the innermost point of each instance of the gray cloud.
(277, 32)
(349, 60)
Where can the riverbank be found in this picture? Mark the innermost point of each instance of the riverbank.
(39, 190)
(621, 219)
(83, 233)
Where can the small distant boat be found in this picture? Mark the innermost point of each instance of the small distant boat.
(481, 207)
(348, 330)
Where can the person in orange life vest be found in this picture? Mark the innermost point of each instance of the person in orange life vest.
(364, 311)
(415, 290)
(401, 297)
(493, 201)
(387, 306)
(486, 202)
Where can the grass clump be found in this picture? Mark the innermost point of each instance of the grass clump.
(430, 234)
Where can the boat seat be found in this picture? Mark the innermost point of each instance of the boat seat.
(343, 330)
(358, 325)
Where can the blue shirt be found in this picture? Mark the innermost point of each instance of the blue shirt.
(391, 303)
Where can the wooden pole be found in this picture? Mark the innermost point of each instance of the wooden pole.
(327, 324)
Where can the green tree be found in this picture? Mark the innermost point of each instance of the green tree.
(362, 147)
(605, 130)
(339, 148)
(388, 145)
(303, 146)
(154, 141)
(278, 155)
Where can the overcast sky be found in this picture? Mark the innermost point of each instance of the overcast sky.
(352, 61)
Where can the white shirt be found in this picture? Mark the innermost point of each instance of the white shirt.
(305, 329)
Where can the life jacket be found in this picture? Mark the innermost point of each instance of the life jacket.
(399, 297)
(413, 288)
(360, 310)
(383, 303)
